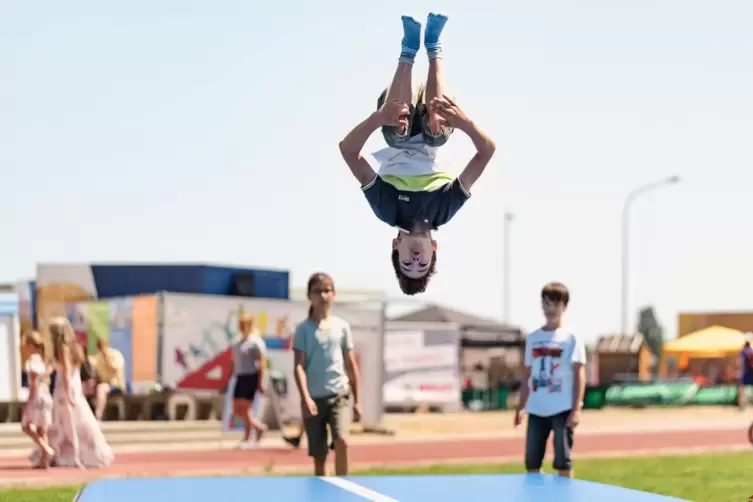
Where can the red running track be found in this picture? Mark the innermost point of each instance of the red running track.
(213, 462)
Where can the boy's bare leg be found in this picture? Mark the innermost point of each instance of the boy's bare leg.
(401, 88)
(435, 86)
(320, 466)
(341, 457)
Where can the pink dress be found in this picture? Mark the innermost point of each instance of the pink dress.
(38, 409)
(75, 434)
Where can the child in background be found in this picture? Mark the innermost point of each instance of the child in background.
(75, 436)
(554, 387)
(326, 373)
(37, 414)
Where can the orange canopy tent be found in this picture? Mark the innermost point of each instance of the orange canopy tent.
(708, 343)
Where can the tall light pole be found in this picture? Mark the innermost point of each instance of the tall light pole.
(648, 187)
(509, 217)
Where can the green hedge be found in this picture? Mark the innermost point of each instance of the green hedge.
(671, 394)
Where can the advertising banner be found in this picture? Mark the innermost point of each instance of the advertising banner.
(422, 366)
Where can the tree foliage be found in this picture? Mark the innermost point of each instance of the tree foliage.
(649, 327)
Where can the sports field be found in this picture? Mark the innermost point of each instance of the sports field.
(700, 478)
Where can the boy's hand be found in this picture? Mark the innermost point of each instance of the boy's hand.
(357, 412)
(449, 111)
(573, 419)
(519, 414)
(394, 113)
(309, 408)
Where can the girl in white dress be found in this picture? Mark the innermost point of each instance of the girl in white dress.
(75, 434)
(37, 414)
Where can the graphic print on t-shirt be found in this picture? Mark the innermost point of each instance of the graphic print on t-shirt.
(546, 362)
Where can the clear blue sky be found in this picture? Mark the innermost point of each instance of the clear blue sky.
(195, 131)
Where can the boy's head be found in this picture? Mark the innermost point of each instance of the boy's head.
(414, 258)
(245, 324)
(554, 300)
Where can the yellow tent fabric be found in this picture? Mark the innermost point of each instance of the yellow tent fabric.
(714, 341)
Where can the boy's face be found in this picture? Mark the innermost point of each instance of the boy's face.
(553, 310)
(322, 294)
(415, 252)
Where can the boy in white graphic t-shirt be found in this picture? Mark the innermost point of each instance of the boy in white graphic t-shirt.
(555, 362)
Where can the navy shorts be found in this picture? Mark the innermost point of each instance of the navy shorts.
(246, 386)
(537, 435)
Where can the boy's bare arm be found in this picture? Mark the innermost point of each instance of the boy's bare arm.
(485, 149)
(391, 113)
(354, 375)
(579, 385)
(525, 391)
(353, 143)
(300, 375)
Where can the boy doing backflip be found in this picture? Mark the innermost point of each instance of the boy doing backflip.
(410, 191)
(552, 395)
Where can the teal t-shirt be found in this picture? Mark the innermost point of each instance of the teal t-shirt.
(325, 361)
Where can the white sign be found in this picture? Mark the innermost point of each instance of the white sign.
(429, 387)
(422, 369)
(10, 359)
(403, 340)
(423, 358)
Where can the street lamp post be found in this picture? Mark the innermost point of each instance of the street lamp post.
(624, 307)
(509, 217)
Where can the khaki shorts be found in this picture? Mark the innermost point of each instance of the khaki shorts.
(333, 411)
(419, 122)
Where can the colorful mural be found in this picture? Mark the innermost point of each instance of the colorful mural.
(129, 326)
(198, 331)
(206, 362)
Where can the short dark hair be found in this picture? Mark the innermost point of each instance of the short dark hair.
(409, 285)
(556, 292)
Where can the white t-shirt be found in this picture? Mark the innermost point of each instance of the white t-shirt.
(413, 158)
(550, 355)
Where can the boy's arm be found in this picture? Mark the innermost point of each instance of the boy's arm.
(351, 366)
(353, 143)
(485, 148)
(525, 389)
(299, 364)
(579, 375)
(300, 375)
(579, 385)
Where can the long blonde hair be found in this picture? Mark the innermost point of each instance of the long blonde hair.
(64, 340)
(35, 340)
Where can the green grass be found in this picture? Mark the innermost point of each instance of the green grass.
(700, 478)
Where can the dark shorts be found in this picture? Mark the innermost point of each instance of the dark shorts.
(747, 380)
(246, 386)
(333, 411)
(539, 430)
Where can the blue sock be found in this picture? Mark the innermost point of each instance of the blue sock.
(434, 26)
(411, 40)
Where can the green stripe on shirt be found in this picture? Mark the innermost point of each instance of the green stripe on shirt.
(420, 183)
